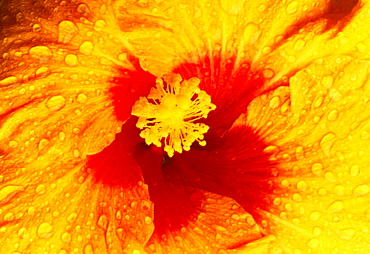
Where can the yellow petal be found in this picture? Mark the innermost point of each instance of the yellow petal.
(318, 130)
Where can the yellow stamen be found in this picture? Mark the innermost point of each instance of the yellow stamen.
(169, 113)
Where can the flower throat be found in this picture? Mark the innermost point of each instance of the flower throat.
(169, 113)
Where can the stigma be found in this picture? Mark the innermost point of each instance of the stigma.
(169, 115)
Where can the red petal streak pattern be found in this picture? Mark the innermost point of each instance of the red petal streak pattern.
(129, 87)
(239, 169)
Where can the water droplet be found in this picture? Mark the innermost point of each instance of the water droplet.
(99, 25)
(22, 91)
(81, 98)
(76, 130)
(8, 81)
(299, 44)
(336, 207)
(22, 233)
(292, 7)
(72, 217)
(76, 153)
(313, 243)
(66, 237)
(41, 189)
(45, 230)
(317, 231)
(56, 103)
(329, 176)
(361, 190)
(71, 60)
(83, 9)
(118, 215)
(302, 185)
(67, 31)
(6, 56)
(148, 220)
(9, 217)
(354, 170)
(317, 169)
(31, 210)
(8, 192)
(339, 190)
(275, 102)
(103, 222)
(42, 71)
(297, 197)
(37, 28)
(19, 17)
(326, 143)
(13, 144)
(327, 81)
(347, 234)
(261, 8)
(277, 201)
(41, 54)
(86, 47)
(333, 115)
(252, 33)
(62, 136)
(315, 215)
(88, 249)
(43, 145)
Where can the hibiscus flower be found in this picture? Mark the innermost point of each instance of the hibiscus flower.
(150, 126)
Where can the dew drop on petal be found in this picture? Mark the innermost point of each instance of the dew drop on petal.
(66, 237)
(22, 91)
(81, 98)
(37, 28)
(71, 60)
(317, 169)
(347, 234)
(148, 220)
(67, 31)
(252, 33)
(103, 222)
(45, 230)
(41, 54)
(43, 145)
(86, 47)
(313, 243)
(336, 207)
(333, 115)
(8, 192)
(275, 102)
(22, 233)
(354, 170)
(41, 189)
(99, 25)
(42, 72)
(62, 136)
(88, 249)
(292, 8)
(326, 143)
(9, 217)
(299, 45)
(72, 217)
(361, 190)
(56, 103)
(83, 9)
(8, 81)
(6, 56)
(13, 144)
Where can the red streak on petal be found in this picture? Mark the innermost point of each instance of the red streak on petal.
(129, 87)
(174, 205)
(239, 169)
(115, 165)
